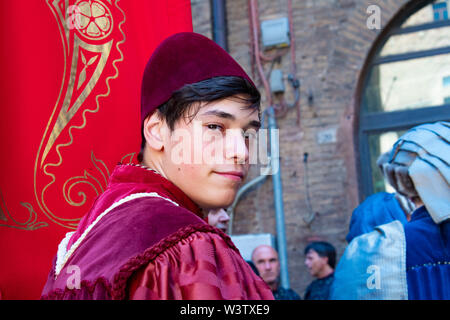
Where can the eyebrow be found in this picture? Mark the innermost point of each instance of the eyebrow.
(225, 115)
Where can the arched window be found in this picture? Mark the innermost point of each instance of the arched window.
(407, 83)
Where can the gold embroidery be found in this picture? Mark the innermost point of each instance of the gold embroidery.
(98, 28)
(128, 158)
(68, 111)
(95, 20)
(29, 224)
(87, 179)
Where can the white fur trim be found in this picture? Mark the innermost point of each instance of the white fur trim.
(62, 250)
(66, 255)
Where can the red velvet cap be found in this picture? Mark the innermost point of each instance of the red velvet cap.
(183, 58)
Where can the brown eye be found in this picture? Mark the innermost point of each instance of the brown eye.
(214, 127)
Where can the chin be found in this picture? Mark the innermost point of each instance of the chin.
(271, 281)
(214, 202)
(224, 200)
(216, 196)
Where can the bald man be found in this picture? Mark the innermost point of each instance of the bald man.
(265, 259)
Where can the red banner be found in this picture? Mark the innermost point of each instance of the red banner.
(70, 93)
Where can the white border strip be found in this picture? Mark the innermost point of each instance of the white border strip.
(61, 261)
(62, 250)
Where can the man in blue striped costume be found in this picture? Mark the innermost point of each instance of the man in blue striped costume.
(410, 261)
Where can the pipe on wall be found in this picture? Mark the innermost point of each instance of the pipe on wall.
(278, 199)
(274, 151)
(219, 23)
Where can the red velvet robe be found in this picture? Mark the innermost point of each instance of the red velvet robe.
(145, 239)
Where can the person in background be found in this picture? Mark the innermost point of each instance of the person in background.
(379, 208)
(265, 259)
(252, 265)
(410, 261)
(218, 218)
(320, 261)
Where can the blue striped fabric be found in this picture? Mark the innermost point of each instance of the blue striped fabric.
(427, 257)
(378, 209)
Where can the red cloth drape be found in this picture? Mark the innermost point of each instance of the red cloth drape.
(70, 97)
(200, 267)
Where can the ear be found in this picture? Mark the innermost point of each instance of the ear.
(153, 131)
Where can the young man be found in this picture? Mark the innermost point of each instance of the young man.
(266, 261)
(145, 236)
(320, 261)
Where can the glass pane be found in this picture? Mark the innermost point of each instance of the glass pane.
(417, 41)
(436, 11)
(379, 144)
(408, 84)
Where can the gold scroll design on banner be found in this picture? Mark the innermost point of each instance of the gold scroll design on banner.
(98, 59)
(96, 183)
(7, 220)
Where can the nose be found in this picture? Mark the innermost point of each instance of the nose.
(224, 217)
(236, 148)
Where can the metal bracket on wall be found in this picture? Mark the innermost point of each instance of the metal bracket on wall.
(311, 215)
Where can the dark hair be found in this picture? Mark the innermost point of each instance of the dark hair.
(213, 89)
(323, 249)
(252, 265)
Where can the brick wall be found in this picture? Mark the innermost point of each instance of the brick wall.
(331, 43)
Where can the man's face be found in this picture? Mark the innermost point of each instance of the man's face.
(267, 263)
(207, 156)
(219, 218)
(315, 263)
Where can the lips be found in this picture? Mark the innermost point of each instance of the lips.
(233, 175)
